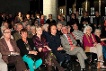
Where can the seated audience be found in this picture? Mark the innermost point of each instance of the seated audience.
(69, 30)
(101, 40)
(45, 31)
(44, 51)
(3, 65)
(10, 51)
(98, 20)
(28, 27)
(17, 35)
(74, 36)
(5, 24)
(19, 18)
(73, 19)
(42, 20)
(33, 31)
(91, 45)
(70, 46)
(77, 33)
(50, 19)
(2, 29)
(29, 19)
(62, 20)
(59, 26)
(28, 53)
(54, 43)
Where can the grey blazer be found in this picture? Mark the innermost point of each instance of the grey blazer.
(65, 43)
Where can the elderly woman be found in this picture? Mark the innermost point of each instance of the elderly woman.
(101, 40)
(45, 31)
(28, 53)
(91, 45)
(45, 51)
(99, 37)
(2, 29)
(10, 52)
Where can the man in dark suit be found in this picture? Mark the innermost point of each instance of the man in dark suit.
(10, 52)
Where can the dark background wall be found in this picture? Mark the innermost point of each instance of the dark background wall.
(14, 6)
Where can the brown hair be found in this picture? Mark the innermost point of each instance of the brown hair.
(23, 30)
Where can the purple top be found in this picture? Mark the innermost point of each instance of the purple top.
(39, 43)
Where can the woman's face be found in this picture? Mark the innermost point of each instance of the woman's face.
(88, 30)
(59, 26)
(19, 14)
(39, 31)
(75, 27)
(42, 17)
(7, 34)
(24, 34)
(28, 27)
(46, 29)
(98, 33)
(53, 29)
(68, 29)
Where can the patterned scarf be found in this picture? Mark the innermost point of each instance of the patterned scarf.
(87, 36)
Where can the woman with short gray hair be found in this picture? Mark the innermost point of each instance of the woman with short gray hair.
(91, 45)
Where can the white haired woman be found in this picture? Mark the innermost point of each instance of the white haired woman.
(2, 29)
(45, 31)
(101, 40)
(91, 45)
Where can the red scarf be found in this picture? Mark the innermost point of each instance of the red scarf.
(91, 37)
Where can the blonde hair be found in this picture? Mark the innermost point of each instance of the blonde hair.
(37, 27)
(33, 27)
(87, 28)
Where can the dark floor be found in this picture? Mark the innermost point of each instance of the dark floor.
(76, 67)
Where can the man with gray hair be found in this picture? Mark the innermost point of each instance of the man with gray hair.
(70, 46)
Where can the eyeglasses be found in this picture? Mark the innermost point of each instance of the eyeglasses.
(7, 32)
